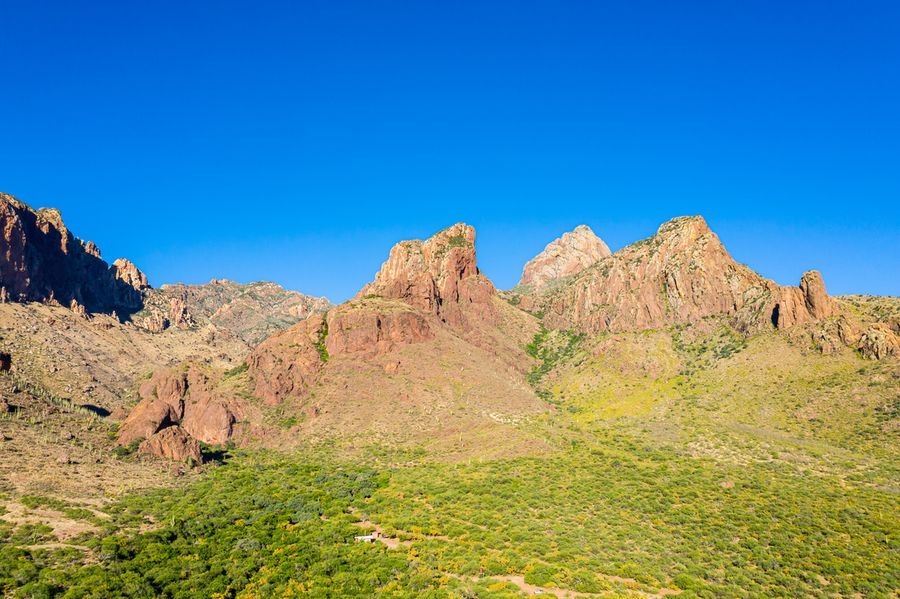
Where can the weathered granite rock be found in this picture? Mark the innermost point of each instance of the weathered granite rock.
(563, 257)
(172, 443)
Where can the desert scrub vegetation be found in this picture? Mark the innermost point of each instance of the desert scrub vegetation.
(611, 513)
(619, 508)
(551, 347)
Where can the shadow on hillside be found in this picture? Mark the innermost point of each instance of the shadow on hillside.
(102, 412)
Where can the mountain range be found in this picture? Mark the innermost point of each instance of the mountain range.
(429, 351)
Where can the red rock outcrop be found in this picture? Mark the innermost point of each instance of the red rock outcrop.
(680, 275)
(189, 399)
(172, 443)
(563, 257)
(40, 260)
(286, 364)
(799, 305)
(131, 275)
(361, 328)
(207, 416)
(438, 276)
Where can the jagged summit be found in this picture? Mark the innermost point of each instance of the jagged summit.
(42, 261)
(564, 257)
(439, 276)
(682, 274)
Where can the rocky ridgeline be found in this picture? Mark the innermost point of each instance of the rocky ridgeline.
(250, 312)
(683, 275)
(42, 261)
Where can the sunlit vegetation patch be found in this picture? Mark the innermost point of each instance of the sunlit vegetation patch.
(620, 509)
(258, 526)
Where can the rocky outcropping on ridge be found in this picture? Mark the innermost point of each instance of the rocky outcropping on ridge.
(42, 261)
(563, 257)
(682, 274)
(438, 276)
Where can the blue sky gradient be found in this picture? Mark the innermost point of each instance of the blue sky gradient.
(297, 141)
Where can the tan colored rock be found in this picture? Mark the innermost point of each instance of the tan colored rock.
(250, 312)
(563, 257)
(130, 274)
(439, 276)
(879, 342)
(172, 443)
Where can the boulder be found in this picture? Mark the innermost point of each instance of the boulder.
(172, 443)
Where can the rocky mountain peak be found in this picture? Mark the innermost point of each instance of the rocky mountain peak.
(564, 257)
(42, 261)
(682, 274)
(127, 272)
(439, 276)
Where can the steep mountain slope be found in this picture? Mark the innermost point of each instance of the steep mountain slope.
(42, 261)
(251, 312)
(680, 275)
(426, 353)
(563, 257)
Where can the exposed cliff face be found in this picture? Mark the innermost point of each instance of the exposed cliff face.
(680, 275)
(438, 276)
(287, 364)
(563, 257)
(42, 261)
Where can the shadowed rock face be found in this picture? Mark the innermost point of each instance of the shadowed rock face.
(680, 275)
(564, 257)
(438, 276)
(42, 261)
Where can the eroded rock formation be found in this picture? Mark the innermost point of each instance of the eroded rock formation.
(184, 398)
(438, 276)
(563, 257)
(40, 260)
(680, 275)
(172, 443)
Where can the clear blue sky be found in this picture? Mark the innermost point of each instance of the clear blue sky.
(297, 141)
